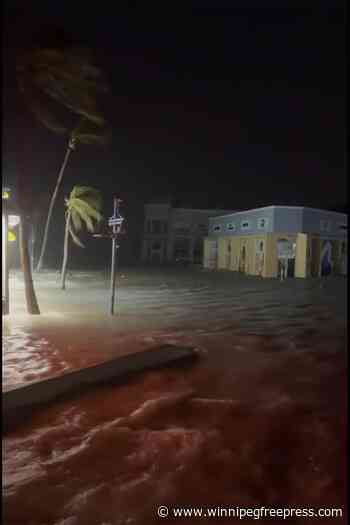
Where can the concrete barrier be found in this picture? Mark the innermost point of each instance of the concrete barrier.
(24, 398)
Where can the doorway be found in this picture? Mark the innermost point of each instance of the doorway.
(286, 250)
(228, 255)
(326, 258)
(259, 257)
(243, 259)
(315, 257)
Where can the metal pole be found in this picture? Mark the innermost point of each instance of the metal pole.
(5, 262)
(114, 257)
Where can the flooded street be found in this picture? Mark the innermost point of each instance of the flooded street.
(260, 419)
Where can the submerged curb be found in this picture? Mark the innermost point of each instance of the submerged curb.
(26, 397)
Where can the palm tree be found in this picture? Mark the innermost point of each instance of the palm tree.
(60, 84)
(83, 207)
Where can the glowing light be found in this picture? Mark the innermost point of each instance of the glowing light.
(5, 193)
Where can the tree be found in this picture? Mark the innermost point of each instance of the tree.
(31, 300)
(24, 207)
(83, 207)
(60, 85)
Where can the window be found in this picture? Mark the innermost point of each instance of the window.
(202, 228)
(262, 223)
(181, 227)
(217, 228)
(342, 226)
(231, 227)
(245, 225)
(325, 226)
(156, 245)
(156, 226)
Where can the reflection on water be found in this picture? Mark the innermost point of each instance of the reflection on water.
(27, 357)
(263, 424)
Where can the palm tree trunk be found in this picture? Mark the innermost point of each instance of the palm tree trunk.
(31, 300)
(65, 253)
(70, 148)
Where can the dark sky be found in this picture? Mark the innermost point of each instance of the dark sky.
(233, 107)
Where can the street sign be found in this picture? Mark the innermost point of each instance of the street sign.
(115, 221)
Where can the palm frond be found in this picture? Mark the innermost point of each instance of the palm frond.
(65, 76)
(42, 109)
(76, 220)
(75, 238)
(86, 192)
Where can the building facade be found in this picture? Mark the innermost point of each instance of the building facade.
(307, 241)
(175, 234)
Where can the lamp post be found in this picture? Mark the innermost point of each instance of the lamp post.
(5, 266)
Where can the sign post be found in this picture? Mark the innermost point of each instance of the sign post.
(115, 221)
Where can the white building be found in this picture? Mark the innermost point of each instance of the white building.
(172, 234)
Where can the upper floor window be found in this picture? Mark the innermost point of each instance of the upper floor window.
(182, 227)
(325, 226)
(202, 228)
(262, 223)
(342, 226)
(231, 227)
(217, 228)
(245, 225)
(156, 226)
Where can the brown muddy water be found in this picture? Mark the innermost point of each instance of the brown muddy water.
(262, 420)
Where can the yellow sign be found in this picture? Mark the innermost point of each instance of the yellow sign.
(11, 236)
(5, 194)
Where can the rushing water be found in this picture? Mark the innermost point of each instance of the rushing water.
(260, 420)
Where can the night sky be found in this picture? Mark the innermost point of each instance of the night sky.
(230, 107)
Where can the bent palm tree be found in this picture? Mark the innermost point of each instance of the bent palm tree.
(58, 84)
(83, 207)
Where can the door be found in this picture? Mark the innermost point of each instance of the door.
(156, 252)
(243, 259)
(228, 255)
(213, 254)
(326, 258)
(286, 250)
(259, 257)
(315, 257)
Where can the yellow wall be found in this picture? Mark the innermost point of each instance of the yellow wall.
(222, 247)
(302, 264)
(206, 253)
(231, 260)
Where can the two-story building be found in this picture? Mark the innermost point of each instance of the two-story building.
(172, 233)
(311, 242)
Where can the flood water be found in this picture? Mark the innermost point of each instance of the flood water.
(260, 419)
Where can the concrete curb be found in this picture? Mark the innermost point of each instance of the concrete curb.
(26, 397)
